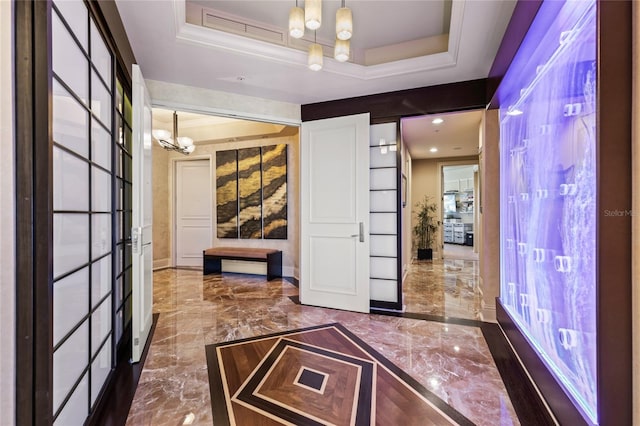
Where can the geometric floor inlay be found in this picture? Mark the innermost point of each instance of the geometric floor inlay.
(321, 375)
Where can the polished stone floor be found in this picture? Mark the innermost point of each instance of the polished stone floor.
(447, 288)
(452, 361)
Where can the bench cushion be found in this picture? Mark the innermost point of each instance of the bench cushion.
(249, 253)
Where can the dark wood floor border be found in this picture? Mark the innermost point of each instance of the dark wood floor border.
(216, 388)
(557, 400)
(292, 280)
(115, 401)
(426, 393)
(219, 405)
(411, 315)
(528, 405)
(427, 317)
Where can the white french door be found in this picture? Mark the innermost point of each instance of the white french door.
(142, 302)
(193, 211)
(334, 264)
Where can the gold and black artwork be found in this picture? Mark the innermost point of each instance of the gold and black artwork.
(252, 192)
(227, 193)
(274, 191)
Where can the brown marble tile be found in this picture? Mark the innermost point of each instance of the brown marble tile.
(452, 361)
(446, 288)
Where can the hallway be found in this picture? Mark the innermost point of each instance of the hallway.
(450, 360)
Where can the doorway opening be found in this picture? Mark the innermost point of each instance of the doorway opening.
(190, 211)
(441, 161)
(459, 213)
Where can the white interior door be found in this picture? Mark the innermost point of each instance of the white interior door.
(142, 302)
(193, 211)
(334, 266)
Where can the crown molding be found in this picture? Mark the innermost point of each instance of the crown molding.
(221, 40)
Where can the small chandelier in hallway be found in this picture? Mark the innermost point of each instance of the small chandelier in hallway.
(173, 142)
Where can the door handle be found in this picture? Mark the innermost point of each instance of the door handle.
(136, 239)
(360, 233)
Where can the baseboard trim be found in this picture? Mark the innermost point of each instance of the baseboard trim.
(161, 264)
(488, 314)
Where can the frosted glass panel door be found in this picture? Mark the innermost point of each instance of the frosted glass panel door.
(83, 212)
(383, 214)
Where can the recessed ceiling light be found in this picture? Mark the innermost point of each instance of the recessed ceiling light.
(434, 149)
(438, 121)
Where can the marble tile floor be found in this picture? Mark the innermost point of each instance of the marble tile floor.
(457, 251)
(446, 288)
(452, 361)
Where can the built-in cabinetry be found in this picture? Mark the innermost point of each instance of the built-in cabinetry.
(456, 185)
(458, 217)
(456, 232)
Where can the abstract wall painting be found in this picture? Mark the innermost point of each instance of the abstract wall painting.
(274, 188)
(227, 193)
(250, 193)
(251, 188)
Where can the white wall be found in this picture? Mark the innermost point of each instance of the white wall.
(194, 99)
(7, 218)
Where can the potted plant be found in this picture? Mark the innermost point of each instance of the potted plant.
(425, 227)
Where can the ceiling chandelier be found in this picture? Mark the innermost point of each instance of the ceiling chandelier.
(311, 18)
(173, 142)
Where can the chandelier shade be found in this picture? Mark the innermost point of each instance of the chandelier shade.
(313, 14)
(341, 50)
(344, 23)
(315, 57)
(296, 22)
(161, 134)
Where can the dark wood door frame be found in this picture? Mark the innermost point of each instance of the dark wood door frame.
(34, 221)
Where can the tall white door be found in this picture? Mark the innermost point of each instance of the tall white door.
(193, 211)
(334, 264)
(142, 292)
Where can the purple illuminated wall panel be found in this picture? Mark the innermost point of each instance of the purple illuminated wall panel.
(548, 195)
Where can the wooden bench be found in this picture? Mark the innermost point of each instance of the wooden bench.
(212, 259)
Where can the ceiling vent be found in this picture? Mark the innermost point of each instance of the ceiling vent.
(218, 21)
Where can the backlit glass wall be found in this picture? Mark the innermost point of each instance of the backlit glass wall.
(548, 195)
